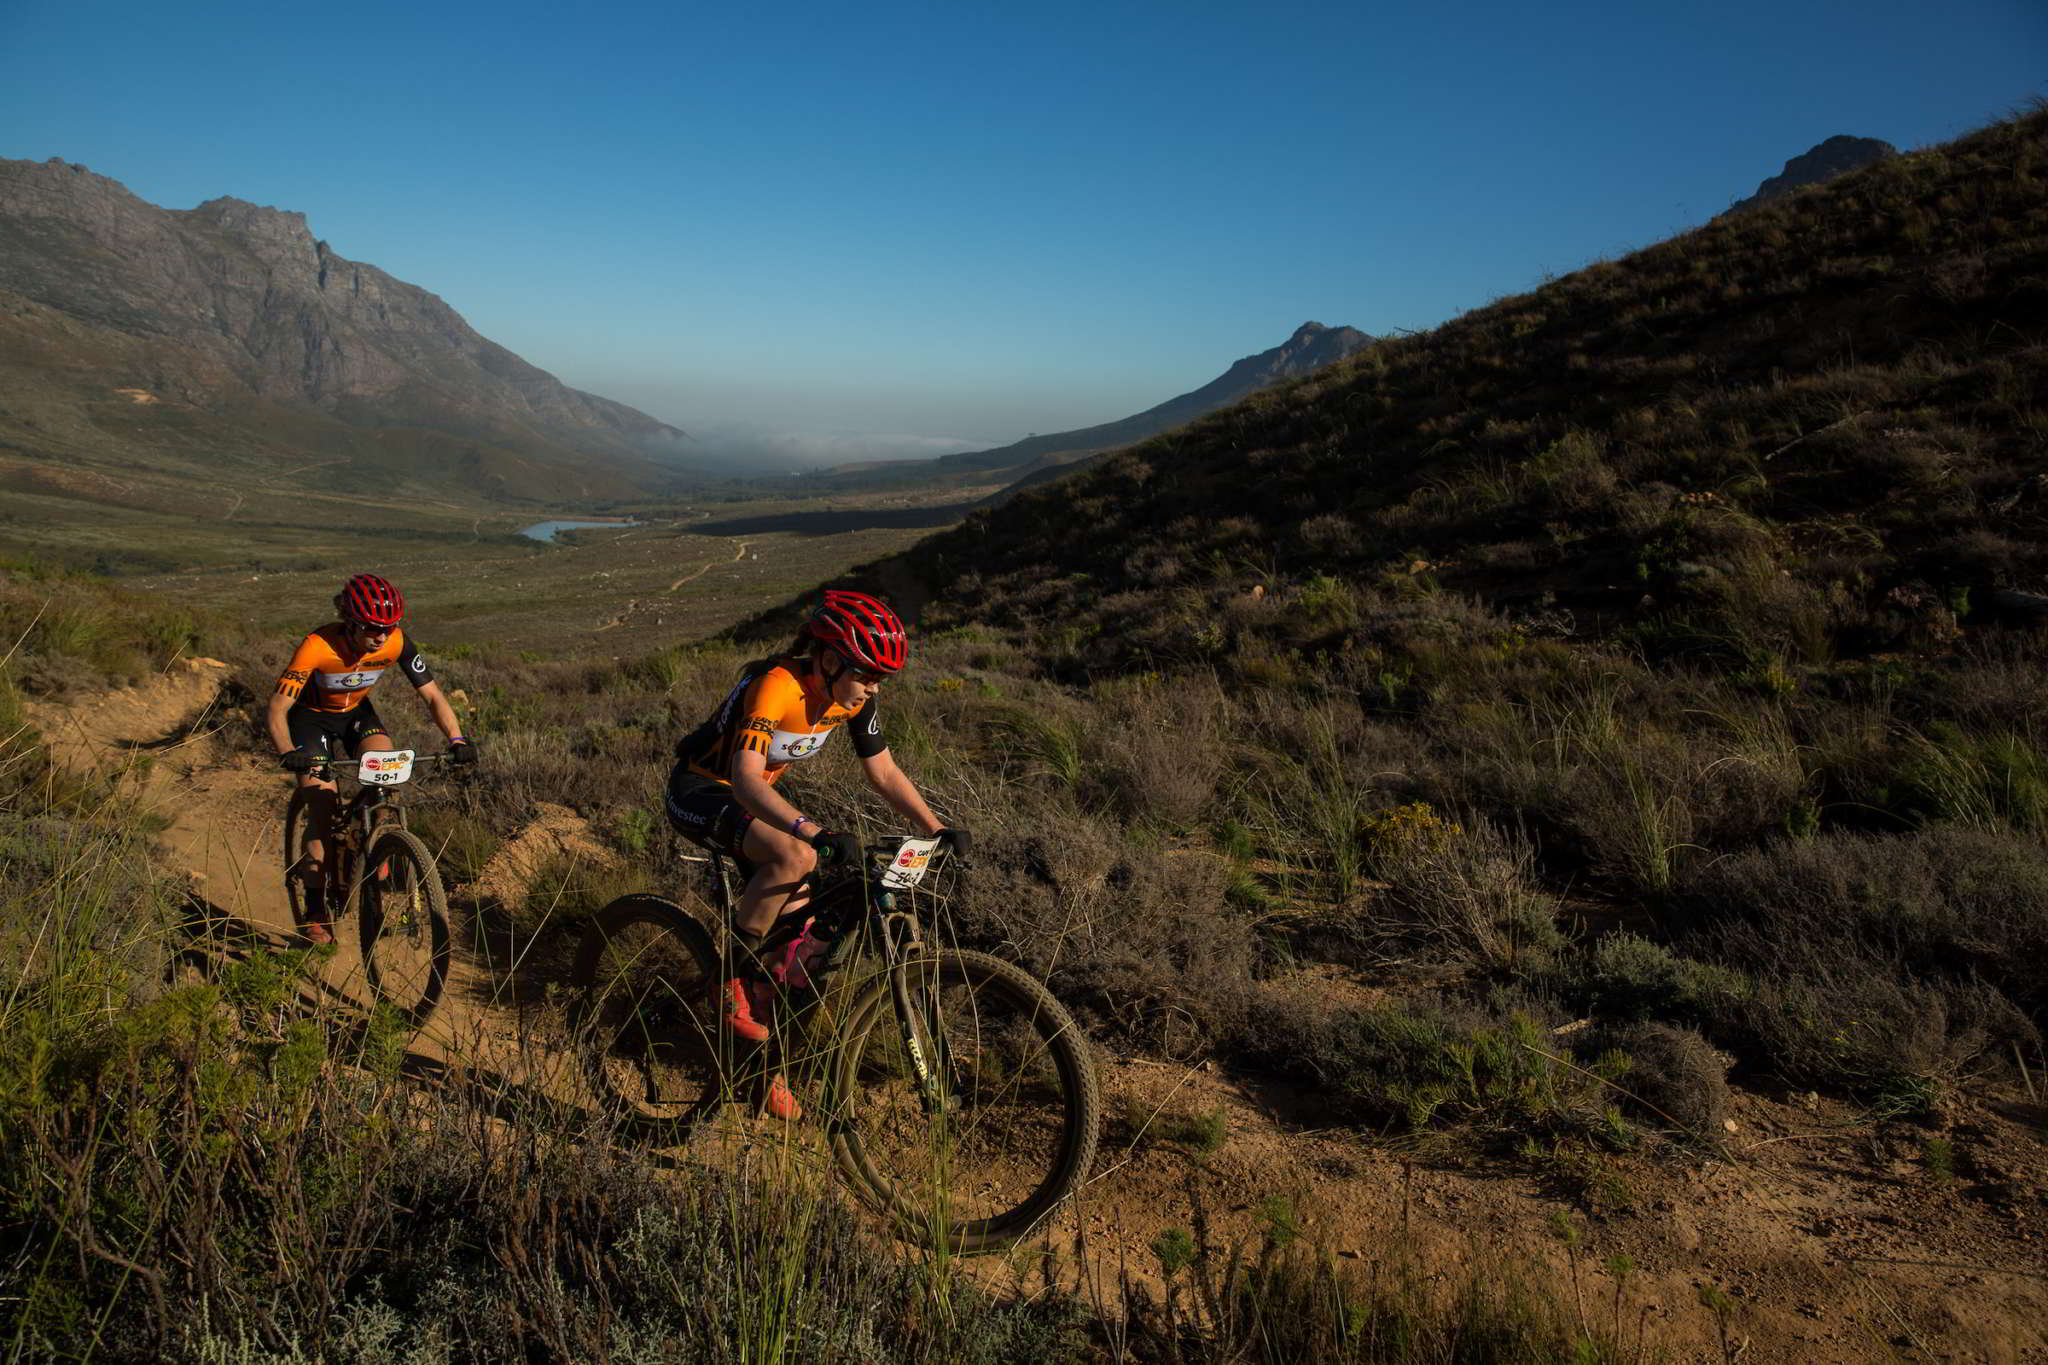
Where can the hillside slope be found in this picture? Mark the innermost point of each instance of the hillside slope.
(1842, 390)
(1653, 659)
(1310, 348)
(228, 335)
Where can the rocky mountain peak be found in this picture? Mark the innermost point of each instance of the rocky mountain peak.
(254, 220)
(1838, 155)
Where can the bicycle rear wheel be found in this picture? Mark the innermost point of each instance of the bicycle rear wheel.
(403, 914)
(645, 1021)
(968, 1105)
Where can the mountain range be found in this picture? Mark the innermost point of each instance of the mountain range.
(1310, 348)
(229, 335)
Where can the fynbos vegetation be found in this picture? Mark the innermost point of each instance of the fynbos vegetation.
(1628, 688)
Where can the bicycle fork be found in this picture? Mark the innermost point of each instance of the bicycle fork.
(918, 1016)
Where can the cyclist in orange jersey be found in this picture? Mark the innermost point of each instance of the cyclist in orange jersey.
(722, 793)
(321, 709)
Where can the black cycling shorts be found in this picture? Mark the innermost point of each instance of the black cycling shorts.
(706, 812)
(337, 734)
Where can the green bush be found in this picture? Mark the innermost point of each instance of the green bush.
(1414, 1065)
(1627, 977)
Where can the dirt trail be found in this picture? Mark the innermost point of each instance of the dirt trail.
(170, 743)
(1828, 1237)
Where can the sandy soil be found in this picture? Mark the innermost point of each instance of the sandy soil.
(1830, 1237)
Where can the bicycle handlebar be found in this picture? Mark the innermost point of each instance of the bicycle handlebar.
(344, 764)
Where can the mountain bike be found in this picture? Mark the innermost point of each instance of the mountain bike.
(959, 1096)
(378, 869)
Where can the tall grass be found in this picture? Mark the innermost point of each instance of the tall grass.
(240, 1164)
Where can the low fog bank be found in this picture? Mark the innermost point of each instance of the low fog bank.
(744, 450)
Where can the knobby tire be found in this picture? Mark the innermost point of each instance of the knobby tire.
(1013, 1131)
(402, 913)
(644, 1022)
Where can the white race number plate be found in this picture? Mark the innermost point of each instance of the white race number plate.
(386, 769)
(907, 868)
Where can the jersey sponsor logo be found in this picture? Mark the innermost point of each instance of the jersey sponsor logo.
(788, 747)
(353, 681)
(418, 664)
(874, 722)
(296, 675)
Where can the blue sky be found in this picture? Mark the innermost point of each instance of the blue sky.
(830, 228)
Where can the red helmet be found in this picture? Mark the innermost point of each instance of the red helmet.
(368, 600)
(863, 629)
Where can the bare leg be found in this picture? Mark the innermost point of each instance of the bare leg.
(781, 862)
(317, 799)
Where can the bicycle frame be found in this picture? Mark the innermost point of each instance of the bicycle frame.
(927, 1054)
(358, 815)
(900, 935)
(901, 931)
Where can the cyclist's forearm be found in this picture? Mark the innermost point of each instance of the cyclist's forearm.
(442, 712)
(752, 791)
(275, 720)
(899, 791)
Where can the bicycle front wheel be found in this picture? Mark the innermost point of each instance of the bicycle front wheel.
(298, 832)
(966, 1100)
(645, 1025)
(403, 913)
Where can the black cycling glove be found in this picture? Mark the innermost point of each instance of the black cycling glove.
(462, 750)
(299, 761)
(835, 847)
(958, 840)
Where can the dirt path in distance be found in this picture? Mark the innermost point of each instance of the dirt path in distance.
(1828, 1236)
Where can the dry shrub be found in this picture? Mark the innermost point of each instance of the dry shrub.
(1422, 1062)
(1638, 796)
(1995, 687)
(1160, 749)
(1141, 942)
(1329, 533)
(1761, 609)
(1848, 1026)
(1675, 1078)
(1627, 977)
(1886, 966)
(1463, 890)
(1947, 902)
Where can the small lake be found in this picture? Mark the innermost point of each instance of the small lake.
(546, 530)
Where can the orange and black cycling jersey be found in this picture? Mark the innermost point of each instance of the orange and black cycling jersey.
(781, 716)
(325, 674)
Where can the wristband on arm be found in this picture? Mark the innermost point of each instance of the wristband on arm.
(799, 822)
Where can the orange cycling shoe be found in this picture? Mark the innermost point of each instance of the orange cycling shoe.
(738, 1002)
(780, 1102)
